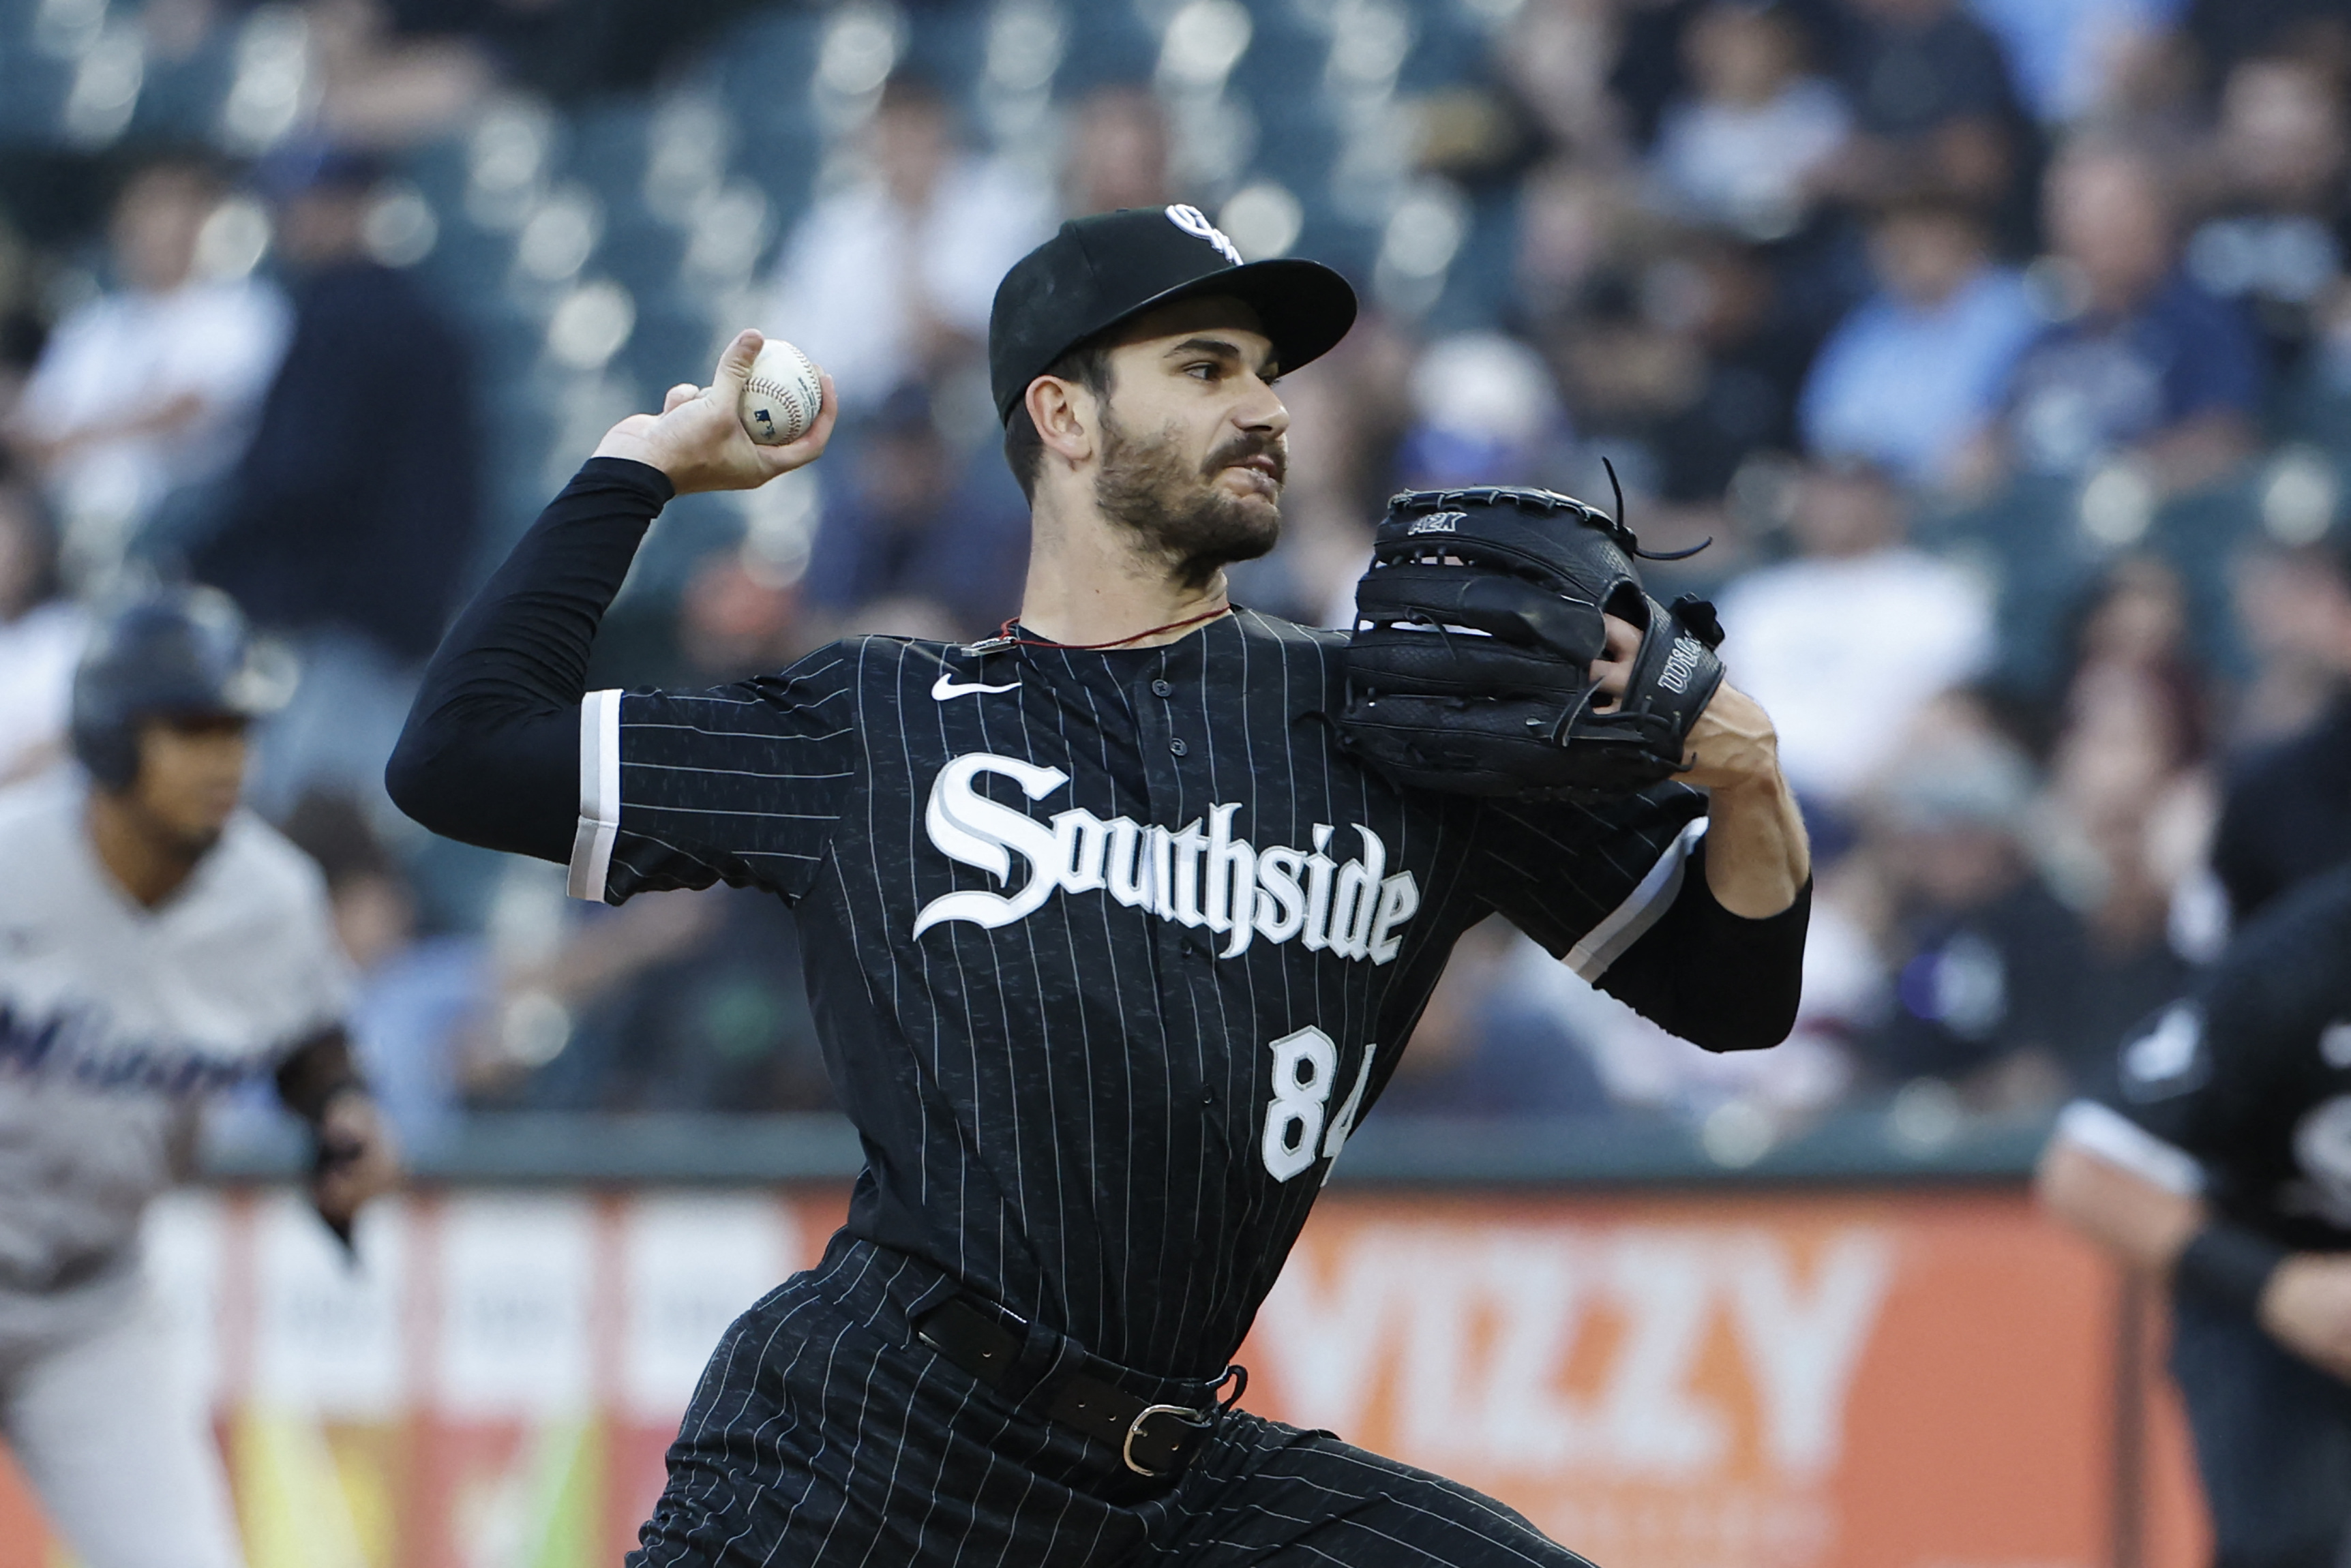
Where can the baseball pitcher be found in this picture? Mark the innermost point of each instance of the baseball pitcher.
(1116, 922)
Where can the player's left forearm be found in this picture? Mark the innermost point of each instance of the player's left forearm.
(1758, 857)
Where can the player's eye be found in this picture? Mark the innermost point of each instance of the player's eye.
(1206, 370)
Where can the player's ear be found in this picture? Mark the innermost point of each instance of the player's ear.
(1066, 414)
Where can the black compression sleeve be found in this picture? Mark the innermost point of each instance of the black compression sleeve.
(315, 1072)
(491, 751)
(1715, 979)
(2226, 1263)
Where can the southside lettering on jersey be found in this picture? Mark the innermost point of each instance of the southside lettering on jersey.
(1211, 879)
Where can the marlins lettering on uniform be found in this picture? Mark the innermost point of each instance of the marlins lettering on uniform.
(1194, 878)
(76, 1043)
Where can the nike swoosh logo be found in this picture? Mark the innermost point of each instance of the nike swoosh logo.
(947, 687)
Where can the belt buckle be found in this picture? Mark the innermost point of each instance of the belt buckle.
(1199, 1419)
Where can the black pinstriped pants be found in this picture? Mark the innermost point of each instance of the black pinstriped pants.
(824, 1433)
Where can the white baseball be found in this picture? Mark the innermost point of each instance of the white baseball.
(783, 396)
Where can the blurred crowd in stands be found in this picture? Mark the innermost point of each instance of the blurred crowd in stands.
(2001, 348)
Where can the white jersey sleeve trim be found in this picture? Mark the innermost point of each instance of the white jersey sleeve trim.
(599, 794)
(2117, 1139)
(1642, 907)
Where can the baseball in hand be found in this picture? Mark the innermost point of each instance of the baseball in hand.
(783, 396)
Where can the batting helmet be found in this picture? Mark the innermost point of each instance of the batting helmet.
(173, 650)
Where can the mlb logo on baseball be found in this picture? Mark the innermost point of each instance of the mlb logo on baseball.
(782, 396)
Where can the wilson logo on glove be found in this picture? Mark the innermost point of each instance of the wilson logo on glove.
(1682, 664)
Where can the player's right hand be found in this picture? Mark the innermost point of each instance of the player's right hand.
(698, 439)
(2306, 1307)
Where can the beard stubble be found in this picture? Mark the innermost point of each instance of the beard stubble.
(1176, 510)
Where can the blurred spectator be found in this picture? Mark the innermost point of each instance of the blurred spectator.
(890, 278)
(547, 1038)
(147, 392)
(1482, 1048)
(2066, 55)
(390, 75)
(1576, 222)
(41, 635)
(2145, 362)
(1117, 139)
(913, 526)
(724, 1025)
(350, 521)
(1741, 148)
(679, 1001)
(2227, 31)
(1484, 413)
(1555, 55)
(1686, 370)
(1990, 966)
(415, 996)
(2295, 604)
(2130, 804)
(2285, 813)
(2275, 239)
(1913, 374)
(1933, 106)
(1845, 644)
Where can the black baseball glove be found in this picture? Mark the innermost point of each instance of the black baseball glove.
(1475, 628)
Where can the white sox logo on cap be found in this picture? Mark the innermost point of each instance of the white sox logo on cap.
(1193, 221)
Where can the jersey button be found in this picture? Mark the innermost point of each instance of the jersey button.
(1177, 746)
(1162, 689)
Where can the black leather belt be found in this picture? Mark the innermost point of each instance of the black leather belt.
(1156, 1440)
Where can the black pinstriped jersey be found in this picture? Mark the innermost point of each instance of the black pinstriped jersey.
(2241, 1092)
(1110, 951)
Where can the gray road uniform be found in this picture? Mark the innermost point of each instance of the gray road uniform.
(115, 1020)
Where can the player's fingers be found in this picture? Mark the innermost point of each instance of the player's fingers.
(1624, 639)
(683, 392)
(1613, 671)
(734, 364)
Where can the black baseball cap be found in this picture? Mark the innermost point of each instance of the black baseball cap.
(1100, 271)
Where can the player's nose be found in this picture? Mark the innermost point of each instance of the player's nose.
(1263, 412)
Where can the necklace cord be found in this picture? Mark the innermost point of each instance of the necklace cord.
(1005, 638)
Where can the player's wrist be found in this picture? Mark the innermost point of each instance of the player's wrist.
(1735, 749)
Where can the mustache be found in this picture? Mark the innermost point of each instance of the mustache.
(1241, 448)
